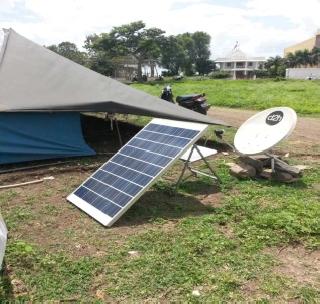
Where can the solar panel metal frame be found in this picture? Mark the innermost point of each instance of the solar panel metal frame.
(107, 220)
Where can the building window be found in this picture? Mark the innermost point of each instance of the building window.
(240, 65)
(228, 64)
(250, 64)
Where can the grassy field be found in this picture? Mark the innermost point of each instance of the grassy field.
(247, 241)
(301, 95)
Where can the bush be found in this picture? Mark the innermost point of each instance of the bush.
(219, 75)
(261, 73)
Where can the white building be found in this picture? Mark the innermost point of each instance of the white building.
(240, 65)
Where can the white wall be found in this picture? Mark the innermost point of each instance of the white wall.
(303, 73)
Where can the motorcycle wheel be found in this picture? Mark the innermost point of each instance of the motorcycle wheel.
(200, 110)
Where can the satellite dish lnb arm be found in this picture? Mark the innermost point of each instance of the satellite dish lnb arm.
(219, 133)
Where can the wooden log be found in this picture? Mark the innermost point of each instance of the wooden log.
(242, 171)
(257, 164)
(266, 173)
(264, 159)
(280, 166)
(283, 177)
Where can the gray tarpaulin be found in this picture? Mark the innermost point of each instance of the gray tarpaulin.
(33, 78)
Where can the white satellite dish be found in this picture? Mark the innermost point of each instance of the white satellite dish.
(264, 130)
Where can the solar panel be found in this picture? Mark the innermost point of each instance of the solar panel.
(110, 191)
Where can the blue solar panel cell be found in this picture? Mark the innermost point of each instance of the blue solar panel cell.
(97, 201)
(126, 173)
(159, 148)
(119, 182)
(164, 139)
(146, 156)
(172, 130)
(106, 191)
(140, 166)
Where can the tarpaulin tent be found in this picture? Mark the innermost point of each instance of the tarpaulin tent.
(35, 136)
(35, 79)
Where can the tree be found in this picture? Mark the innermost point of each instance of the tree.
(291, 60)
(99, 60)
(275, 66)
(315, 56)
(303, 58)
(132, 39)
(196, 50)
(69, 50)
(202, 52)
(188, 45)
(172, 55)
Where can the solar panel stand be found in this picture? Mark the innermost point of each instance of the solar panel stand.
(195, 172)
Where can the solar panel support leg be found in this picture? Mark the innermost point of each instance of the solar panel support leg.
(213, 174)
(194, 172)
(186, 165)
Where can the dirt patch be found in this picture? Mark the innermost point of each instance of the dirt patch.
(50, 222)
(301, 265)
(252, 290)
(212, 199)
(227, 231)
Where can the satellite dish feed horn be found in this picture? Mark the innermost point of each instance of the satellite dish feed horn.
(264, 130)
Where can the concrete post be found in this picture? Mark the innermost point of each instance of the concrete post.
(245, 67)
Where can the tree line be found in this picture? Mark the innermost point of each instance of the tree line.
(188, 52)
(276, 66)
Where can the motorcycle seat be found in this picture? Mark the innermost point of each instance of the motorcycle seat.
(186, 97)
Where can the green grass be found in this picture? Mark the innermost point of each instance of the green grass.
(227, 251)
(52, 276)
(182, 245)
(301, 95)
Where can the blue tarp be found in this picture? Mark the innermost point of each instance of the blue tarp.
(36, 136)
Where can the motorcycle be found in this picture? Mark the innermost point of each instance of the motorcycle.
(194, 102)
(167, 94)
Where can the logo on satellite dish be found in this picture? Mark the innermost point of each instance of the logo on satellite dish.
(274, 118)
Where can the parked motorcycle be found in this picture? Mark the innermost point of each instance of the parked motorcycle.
(167, 94)
(194, 102)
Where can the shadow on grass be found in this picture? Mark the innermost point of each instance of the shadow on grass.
(163, 204)
(299, 184)
(214, 144)
(199, 186)
(6, 289)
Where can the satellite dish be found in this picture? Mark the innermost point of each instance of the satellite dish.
(264, 130)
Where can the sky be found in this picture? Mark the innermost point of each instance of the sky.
(262, 27)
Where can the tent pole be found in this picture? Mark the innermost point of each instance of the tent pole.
(118, 132)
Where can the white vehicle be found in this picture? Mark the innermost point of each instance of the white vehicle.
(3, 239)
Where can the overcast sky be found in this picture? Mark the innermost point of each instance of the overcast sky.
(262, 27)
